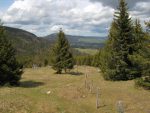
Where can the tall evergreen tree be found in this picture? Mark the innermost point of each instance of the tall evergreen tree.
(146, 52)
(121, 46)
(144, 59)
(142, 56)
(10, 69)
(63, 58)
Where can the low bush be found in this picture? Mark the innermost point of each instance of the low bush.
(143, 82)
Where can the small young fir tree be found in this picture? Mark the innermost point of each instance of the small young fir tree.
(62, 56)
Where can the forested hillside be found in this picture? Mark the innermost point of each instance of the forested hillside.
(81, 41)
(25, 42)
(32, 49)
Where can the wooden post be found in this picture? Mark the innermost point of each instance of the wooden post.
(97, 98)
(85, 80)
(77, 69)
(85, 70)
(91, 86)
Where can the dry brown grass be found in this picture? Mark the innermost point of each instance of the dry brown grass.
(68, 94)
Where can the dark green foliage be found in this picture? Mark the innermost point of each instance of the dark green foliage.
(89, 60)
(85, 60)
(145, 61)
(143, 82)
(30, 49)
(10, 69)
(26, 43)
(45, 62)
(141, 56)
(96, 59)
(63, 58)
(122, 47)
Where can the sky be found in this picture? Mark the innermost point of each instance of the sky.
(75, 17)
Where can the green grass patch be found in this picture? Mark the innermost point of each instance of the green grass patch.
(91, 40)
(87, 51)
(68, 94)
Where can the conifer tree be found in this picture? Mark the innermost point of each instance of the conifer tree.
(121, 46)
(144, 59)
(63, 58)
(146, 53)
(142, 56)
(10, 69)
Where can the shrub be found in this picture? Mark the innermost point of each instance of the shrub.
(143, 82)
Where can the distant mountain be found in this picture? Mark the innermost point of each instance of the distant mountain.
(28, 43)
(35, 50)
(81, 41)
(25, 42)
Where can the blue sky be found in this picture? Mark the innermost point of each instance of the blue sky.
(4, 4)
(76, 17)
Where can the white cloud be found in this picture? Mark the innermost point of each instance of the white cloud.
(77, 17)
(144, 6)
(141, 11)
(72, 15)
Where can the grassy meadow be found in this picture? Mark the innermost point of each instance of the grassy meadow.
(91, 40)
(42, 91)
(87, 51)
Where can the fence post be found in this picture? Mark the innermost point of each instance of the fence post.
(85, 80)
(97, 98)
(91, 86)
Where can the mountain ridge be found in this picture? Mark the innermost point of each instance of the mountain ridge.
(28, 43)
(32, 49)
(24, 41)
(80, 41)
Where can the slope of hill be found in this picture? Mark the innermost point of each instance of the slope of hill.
(30, 48)
(28, 43)
(81, 41)
(25, 42)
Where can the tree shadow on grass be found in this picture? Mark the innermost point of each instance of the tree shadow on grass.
(30, 84)
(75, 73)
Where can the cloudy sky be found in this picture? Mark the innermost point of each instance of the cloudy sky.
(76, 17)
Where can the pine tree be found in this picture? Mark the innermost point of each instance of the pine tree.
(139, 47)
(145, 52)
(63, 58)
(121, 46)
(144, 60)
(10, 69)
